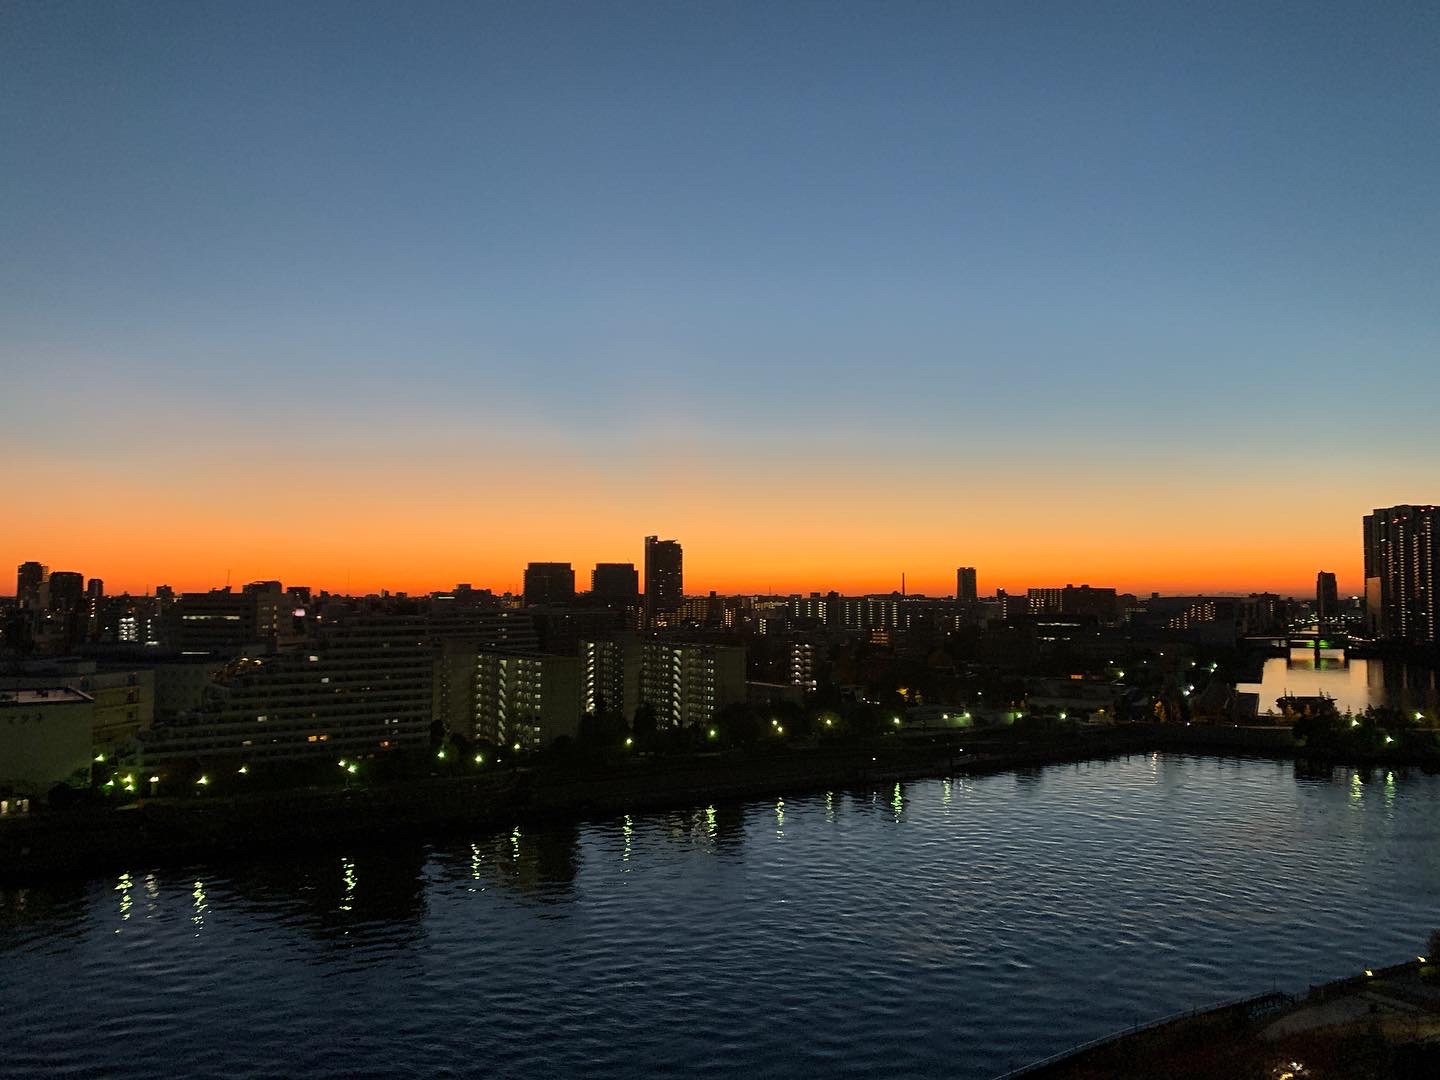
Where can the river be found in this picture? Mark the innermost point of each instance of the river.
(1355, 684)
(943, 927)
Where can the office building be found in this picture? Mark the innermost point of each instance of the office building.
(664, 580)
(615, 585)
(549, 583)
(1402, 552)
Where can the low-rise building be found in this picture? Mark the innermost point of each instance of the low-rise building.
(45, 737)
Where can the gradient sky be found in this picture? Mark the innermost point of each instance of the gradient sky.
(1140, 294)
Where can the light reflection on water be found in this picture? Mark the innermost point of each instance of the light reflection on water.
(1355, 684)
(946, 926)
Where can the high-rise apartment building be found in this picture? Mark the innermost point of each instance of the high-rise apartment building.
(549, 583)
(664, 579)
(528, 699)
(362, 685)
(965, 585)
(610, 675)
(1402, 553)
(29, 577)
(1327, 599)
(687, 684)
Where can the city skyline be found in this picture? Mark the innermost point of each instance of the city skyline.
(925, 582)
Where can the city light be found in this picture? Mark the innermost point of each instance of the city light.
(203, 781)
(479, 759)
(244, 770)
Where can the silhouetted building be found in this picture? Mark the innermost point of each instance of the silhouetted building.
(29, 577)
(615, 585)
(549, 583)
(664, 579)
(1402, 551)
(1327, 599)
(1086, 601)
(65, 592)
(965, 585)
(226, 623)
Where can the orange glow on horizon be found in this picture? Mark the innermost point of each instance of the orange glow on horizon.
(351, 519)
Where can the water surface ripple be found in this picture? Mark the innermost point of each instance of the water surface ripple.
(944, 927)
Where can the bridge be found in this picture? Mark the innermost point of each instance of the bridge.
(1314, 637)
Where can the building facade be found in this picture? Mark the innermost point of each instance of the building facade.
(1402, 553)
(686, 684)
(664, 579)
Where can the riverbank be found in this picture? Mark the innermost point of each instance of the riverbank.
(170, 830)
(90, 840)
(1374, 1025)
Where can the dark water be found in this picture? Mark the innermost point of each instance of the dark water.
(948, 928)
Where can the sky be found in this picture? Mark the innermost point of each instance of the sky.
(365, 296)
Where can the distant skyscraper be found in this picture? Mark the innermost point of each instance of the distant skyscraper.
(29, 577)
(66, 591)
(664, 578)
(549, 583)
(615, 584)
(1402, 553)
(1327, 599)
(965, 590)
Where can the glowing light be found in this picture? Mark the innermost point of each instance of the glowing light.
(342, 763)
(714, 734)
(352, 768)
(244, 770)
(203, 781)
(99, 757)
(1369, 974)
(479, 759)
(154, 779)
(516, 748)
(629, 741)
(440, 753)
